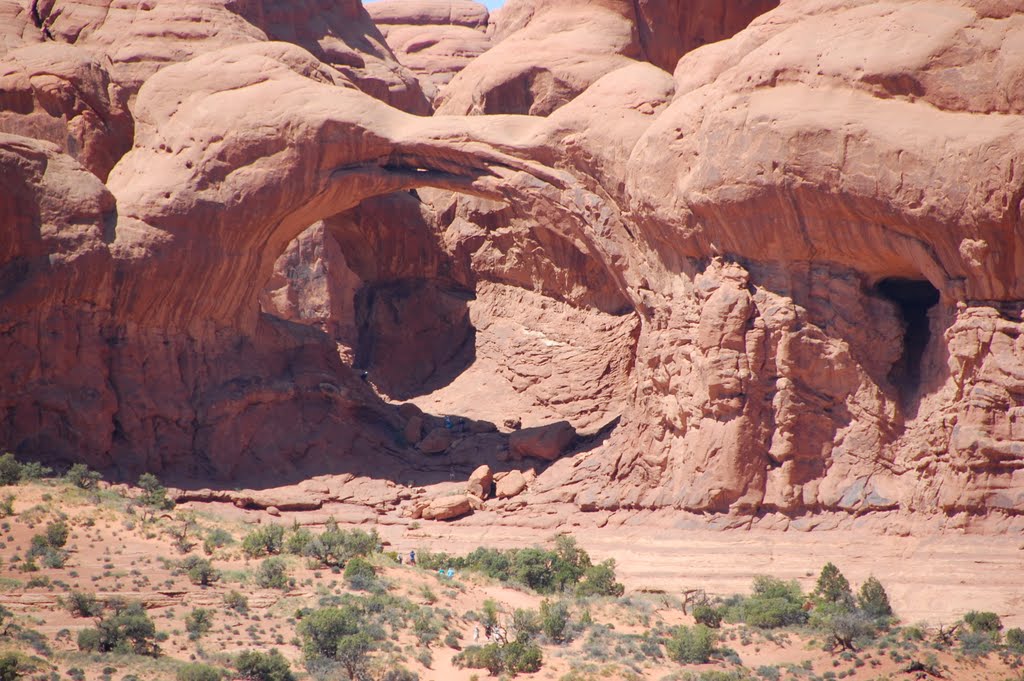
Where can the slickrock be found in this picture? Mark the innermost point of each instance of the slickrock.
(447, 508)
(435, 39)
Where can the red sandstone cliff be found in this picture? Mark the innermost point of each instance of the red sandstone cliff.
(785, 276)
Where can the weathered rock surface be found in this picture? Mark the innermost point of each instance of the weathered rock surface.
(447, 508)
(435, 39)
(546, 442)
(480, 482)
(785, 279)
(509, 485)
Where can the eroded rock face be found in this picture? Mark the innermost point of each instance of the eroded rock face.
(435, 39)
(785, 278)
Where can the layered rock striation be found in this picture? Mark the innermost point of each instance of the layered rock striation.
(783, 278)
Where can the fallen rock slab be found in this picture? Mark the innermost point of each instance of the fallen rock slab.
(546, 442)
(510, 484)
(480, 482)
(446, 508)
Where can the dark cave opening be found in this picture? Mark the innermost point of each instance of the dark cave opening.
(914, 297)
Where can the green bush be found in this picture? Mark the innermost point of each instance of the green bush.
(873, 600)
(554, 620)
(599, 580)
(525, 624)
(1015, 639)
(198, 622)
(360, 574)
(10, 470)
(11, 667)
(7, 505)
(153, 494)
(400, 673)
(983, 622)
(321, 630)
(691, 645)
(707, 615)
(257, 666)
(200, 571)
(263, 541)
(976, 643)
(516, 657)
(272, 574)
(352, 653)
(81, 604)
(200, 672)
(774, 604)
(236, 601)
(126, 630)
(842, 628)
(334, 547)
(80, 476)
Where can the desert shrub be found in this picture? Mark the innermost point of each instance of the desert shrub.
(82, 477)
(691, 645)
(322, 629)
(200, 571)
(263, 541)
(10, 470)
(976, 643)
(599, 580)
(516, 657)
(215, 539)
(298, 541)
(47, 546)
(360, 574)
(200, 672)
(707, 615)
(334, 547)
(153, 494)
(774, 603)
(353, 652)
(198, 622)
(400, 673)
(842, 628)
(257, 666)
(272, 574)
(11, 667)
(983, 622)
(525, 624)
(1015, 639)
(7, 505)
(128, 629)
(873, 600)
(236, 601)
(554, 620)
(81, 604)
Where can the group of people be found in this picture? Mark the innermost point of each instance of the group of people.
(494, 633)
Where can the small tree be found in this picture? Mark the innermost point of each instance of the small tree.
(873, 600)
(832, 587)
(1015, 640)
(127, 630)
(80, 476)
(200, 571)
(983, 622)
(360, 574)
(599, 580)
(256, 666)
(10, 470)
(272, 574)
(7, 505)
(198, 622)
(154, 494)
(691, 645)
(489, 616)
(263, 541)
(554, 620)
(81, 604)
(321, 630)
(352, 652)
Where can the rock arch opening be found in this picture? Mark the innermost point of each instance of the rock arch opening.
(914, 298)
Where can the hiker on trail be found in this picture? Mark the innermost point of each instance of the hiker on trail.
(476, 633)
(487, 632)
(448, 422)
(450, 573)
(412, 558)
(399, 559)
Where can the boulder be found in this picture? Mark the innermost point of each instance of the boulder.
(414, 429)
(510, 485)
(480, 482)
(546, 442)
(446, 508)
